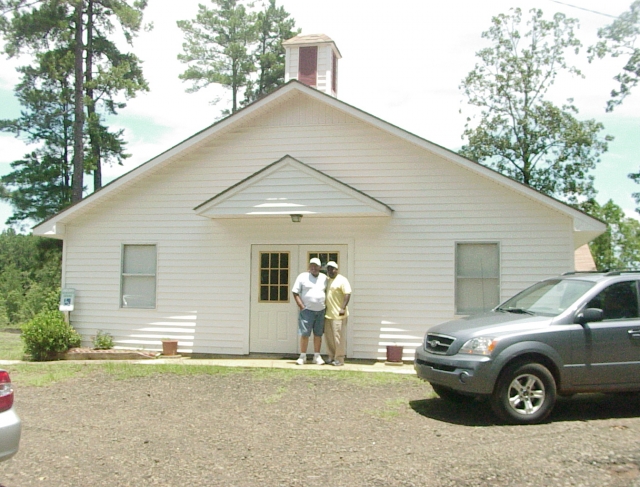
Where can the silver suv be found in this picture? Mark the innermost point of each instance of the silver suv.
(579, 332)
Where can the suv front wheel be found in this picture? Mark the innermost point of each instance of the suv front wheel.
(524, 394)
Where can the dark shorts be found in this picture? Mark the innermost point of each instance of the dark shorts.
(311, 320)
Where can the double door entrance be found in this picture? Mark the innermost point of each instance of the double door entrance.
(274, 313)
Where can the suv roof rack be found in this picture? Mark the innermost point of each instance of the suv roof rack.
(571, 273)
(606, 272)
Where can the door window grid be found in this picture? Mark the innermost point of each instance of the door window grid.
(324, 258)
(274, 277)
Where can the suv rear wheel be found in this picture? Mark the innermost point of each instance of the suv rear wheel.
(524, 394)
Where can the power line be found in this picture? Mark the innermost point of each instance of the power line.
(585, 9)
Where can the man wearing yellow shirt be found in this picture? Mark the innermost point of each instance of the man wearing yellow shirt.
(335, 318)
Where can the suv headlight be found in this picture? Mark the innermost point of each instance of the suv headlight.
(479, 346)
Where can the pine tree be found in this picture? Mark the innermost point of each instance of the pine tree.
(216, 47)
(40, 184)
(273, 26)
(101, 74)
(237, 48)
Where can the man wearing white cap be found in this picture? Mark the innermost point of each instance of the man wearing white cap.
(309, 294)
(335, 324)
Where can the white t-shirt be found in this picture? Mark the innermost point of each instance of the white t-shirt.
(311, 290)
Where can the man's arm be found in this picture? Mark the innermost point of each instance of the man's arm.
(299, 301)
(345, 301)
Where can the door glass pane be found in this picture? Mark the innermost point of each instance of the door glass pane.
(284, 293)
(274, 277)
(324, 258)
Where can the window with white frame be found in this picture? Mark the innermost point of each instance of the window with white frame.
(477, 277)
(138, 287)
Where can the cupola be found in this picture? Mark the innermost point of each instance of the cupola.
(313, 60)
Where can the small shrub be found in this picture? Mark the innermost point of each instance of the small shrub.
(102, 341)
(48, 334)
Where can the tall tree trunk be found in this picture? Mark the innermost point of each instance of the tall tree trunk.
(78, 122)
(94, 136)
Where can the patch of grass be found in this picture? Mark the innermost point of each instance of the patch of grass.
(125, 370)
(385, 414)
(11, 346)
(392, 409)
(273, 398)
(46, 374)
(398, 402)
(354, 377)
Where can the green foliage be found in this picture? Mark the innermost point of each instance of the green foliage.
(519, 133)
(40, 184)
(216, 47)
(236, 48)
(30, 269)
(102, 341)
(619, 247)
(272, 27)
(619, 39)
(77, 68)
(48, 334)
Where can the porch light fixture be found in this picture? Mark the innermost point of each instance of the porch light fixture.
(296, 218)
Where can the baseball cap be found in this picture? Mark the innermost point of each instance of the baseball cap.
(316, 261)
(332, 264)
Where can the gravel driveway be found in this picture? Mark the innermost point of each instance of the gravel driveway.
(265, 428)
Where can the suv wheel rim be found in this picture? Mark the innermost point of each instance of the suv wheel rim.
(526, 394)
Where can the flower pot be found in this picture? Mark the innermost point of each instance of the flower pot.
(169, 347)
(394, 353)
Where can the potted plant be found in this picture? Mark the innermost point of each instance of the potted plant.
(169, 346)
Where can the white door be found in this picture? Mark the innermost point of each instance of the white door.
(274, 314)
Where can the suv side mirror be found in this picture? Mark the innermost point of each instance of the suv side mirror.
(589, 315)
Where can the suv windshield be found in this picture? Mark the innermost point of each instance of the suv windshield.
(548, 298)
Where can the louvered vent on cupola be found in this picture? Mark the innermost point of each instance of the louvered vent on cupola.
(313, 60)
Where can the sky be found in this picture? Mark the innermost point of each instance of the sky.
(403, 65)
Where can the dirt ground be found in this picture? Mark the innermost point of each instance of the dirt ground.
(267, 429)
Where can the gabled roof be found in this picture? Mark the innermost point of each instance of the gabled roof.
(586, 228)
(290, 187)
(311, 40)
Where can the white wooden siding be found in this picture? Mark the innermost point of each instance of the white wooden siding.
(403, 266)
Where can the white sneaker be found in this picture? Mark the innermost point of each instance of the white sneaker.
(302, 359)
(317, 359)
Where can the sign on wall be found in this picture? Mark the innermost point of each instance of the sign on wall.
(67, 299)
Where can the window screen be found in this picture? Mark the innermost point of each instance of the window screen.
(138, 288)
(477, 277)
